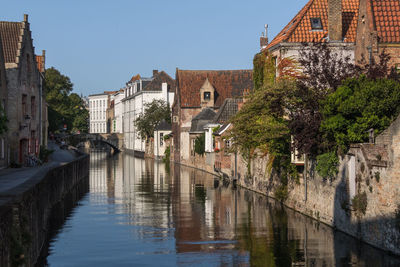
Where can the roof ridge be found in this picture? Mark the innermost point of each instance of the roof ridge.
(291, 26)
(301, 14)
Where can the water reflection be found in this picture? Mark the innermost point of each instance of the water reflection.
(139, 213)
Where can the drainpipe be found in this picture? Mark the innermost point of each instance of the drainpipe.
(235, 178)
(305, 177)
(370, 54)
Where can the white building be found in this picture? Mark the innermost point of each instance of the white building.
(116, 126)
(138, 92)
(98, 104)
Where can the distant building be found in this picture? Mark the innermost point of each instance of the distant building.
(138, 92)
(118, 110)
(202, 93)
(98, 104)
(25, 102)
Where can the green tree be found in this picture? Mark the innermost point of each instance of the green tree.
(64, 107)
(357, 106)
(79, 114)
(154, 113)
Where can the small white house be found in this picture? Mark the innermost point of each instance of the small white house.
(163, 129)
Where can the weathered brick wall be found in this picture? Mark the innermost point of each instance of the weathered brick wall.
(335, 20)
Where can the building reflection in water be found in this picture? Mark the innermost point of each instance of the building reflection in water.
(216, 224)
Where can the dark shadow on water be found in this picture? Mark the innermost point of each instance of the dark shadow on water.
(60, 213)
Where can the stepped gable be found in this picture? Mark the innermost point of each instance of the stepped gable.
(11, 37)
(386, 15)
(158, 79)
(227, 83)
(299, 30)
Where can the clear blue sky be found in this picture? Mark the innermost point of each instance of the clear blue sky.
(100, 44)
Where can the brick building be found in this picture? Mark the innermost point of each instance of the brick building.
(25, 93)
(360, 29)
(200, 89)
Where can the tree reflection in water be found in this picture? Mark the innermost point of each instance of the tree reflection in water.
(140, 212)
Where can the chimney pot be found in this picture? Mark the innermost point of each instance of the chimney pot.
(155, 72)
(25, 17)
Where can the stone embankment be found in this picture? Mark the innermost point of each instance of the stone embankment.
(26, 208)
(363, 171)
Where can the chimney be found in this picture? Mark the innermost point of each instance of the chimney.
(25, 17)
(155, 72)
(44, 59)
(335, 20)
(264, 38)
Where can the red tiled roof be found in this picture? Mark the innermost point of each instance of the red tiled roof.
(227, 83)
(299, 28)
(386, 14)
(135, 78)
(10, 33)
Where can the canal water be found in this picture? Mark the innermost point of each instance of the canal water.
(135, 212)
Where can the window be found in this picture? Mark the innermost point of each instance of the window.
(161, 139)
(207, 96)
(24, 108)
(316, 23)
(33, 107)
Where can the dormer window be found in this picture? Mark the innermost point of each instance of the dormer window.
(316, 23)
(207, 96)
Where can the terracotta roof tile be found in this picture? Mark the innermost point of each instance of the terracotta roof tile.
(135, 78)
(387, 20)
(158, 79)
(299, 28)
(10, 35)
(227, 83)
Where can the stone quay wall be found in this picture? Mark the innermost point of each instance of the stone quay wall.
(26, 209)
(331, 201)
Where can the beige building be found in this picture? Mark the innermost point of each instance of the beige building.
(25, 95)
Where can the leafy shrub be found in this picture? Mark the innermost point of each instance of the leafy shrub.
(44, 153)
(199, 144)
(167, 155)
(360, 203)
(358, 105)
(327, 165)
(281, 193)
